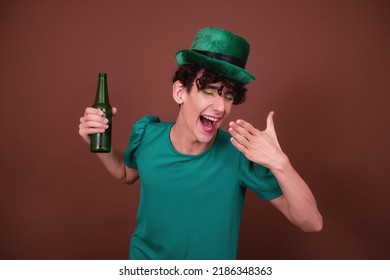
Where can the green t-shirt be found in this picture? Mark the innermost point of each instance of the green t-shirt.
(190, 205)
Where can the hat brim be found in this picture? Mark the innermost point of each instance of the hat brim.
(224, 68)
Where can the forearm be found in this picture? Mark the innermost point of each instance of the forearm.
(300, 205)
(115, 165)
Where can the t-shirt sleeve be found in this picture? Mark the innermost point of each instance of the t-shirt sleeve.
(137, 133)
(259, 179)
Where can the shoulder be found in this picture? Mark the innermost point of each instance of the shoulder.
(142, 123)
(148, 122)
(145, 130)
(143, 126)
(149, 127)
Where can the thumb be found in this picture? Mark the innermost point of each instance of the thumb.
(271, 128)
(270, 121)
(114, 110)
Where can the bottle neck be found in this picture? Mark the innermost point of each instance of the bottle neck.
(102, 89)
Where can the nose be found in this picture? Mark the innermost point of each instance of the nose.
(219, 104)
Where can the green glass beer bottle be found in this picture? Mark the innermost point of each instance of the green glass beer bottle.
(101, 142)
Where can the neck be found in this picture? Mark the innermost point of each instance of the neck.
(185, 143)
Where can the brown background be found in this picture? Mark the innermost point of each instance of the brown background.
(323, 66)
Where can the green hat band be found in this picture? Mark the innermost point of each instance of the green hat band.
(226, 58)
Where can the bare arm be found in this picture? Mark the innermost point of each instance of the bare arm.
(94, 122)
(114, 163)
(297, 202)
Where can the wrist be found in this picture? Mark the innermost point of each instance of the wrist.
(281, 164)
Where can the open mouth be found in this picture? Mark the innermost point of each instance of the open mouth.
(209, 123)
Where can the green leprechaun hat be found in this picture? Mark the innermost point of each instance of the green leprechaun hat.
(220, 51)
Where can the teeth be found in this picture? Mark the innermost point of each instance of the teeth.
(213, 119)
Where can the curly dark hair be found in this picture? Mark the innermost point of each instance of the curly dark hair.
(187, 73)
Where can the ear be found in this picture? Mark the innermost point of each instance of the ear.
(178, 92)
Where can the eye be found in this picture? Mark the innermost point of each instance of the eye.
(210, 91)
(229, 96)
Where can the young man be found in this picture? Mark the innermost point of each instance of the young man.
(193, 174)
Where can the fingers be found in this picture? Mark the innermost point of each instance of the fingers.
(94, 118)
(92, 122)
(245, 133)
(242, 128)
(86, 131)
(242, 131)
(238, 146)
(247, 130)
(246, 127)
(97, 114)
(94, 111)
(258, 146)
